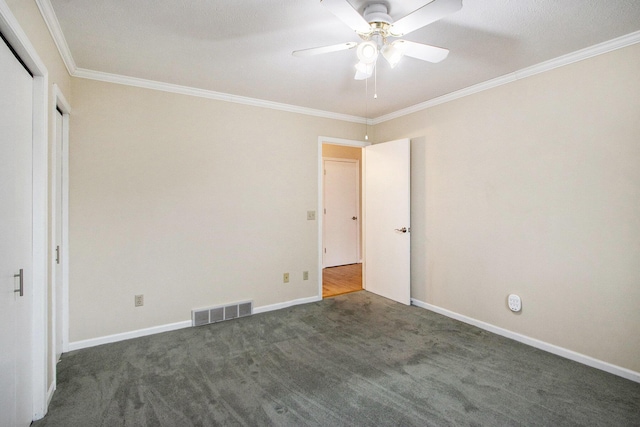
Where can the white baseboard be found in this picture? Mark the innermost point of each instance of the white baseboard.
(52, 388)
(285, 304)
(92, 342)
(551, 348)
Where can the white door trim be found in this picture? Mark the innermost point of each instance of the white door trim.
(335, 141)
(19, 41)
(60, 102)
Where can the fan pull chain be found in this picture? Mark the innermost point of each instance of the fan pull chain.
(366, 109)
(375, 81)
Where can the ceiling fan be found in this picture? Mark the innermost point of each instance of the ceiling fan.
(375, 27)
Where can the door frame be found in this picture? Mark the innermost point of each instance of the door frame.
(18, 40)
(60, 315)
(358, 207)
(334, 141)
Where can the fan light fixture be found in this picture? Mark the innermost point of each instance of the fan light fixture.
(367, 52)
(393, 53)
(363, 70)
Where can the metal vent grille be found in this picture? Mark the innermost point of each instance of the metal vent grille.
(200, 317)
(245, 309)
(218, 314)
(230, 312)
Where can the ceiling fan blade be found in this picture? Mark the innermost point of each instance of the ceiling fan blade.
(324, 49)
(427, 14)
(421, 51)
(347, 14)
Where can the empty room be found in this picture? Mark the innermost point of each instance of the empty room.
(179, 177)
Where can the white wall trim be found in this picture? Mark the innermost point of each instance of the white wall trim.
(589, 52)
(561, 61)
(533, 342)
(108, 339)
(58, 101)
(209, 94)
(341, 141)
(40, 243)
(52, 389)
(286, 304)
(56, 32)
(50, 18)
(61, 102)
(19, 41)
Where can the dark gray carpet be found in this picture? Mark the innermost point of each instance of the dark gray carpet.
(356, 359)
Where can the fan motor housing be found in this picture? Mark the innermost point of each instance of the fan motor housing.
(377, 14)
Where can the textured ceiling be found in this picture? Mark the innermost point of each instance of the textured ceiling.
(244, 47)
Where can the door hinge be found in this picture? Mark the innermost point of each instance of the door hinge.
(58, 254)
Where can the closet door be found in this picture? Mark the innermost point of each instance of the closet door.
(16, 297)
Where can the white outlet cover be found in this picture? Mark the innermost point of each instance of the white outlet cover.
(515, 303)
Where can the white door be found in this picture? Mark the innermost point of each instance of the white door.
(341, 212)
(387, 220)
(57, 265)
(16, 130)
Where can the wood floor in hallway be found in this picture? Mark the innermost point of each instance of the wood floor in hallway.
(341, 280)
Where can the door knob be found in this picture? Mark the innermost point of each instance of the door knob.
(402, 230)
(354, 218)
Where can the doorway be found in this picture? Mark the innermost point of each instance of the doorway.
(341, 215)
(386, 184)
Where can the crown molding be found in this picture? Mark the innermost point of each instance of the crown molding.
(46, 9)
(542, 67)
(209, 94)
(50, 18)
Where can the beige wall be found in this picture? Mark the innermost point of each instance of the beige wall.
(534, 188)
(189, 201)
(28, 16)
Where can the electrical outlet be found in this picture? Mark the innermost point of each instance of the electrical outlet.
(285, 277)
(139, 300)
(305, 275)
(515, 303)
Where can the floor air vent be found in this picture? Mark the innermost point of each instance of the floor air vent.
(204, 316)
